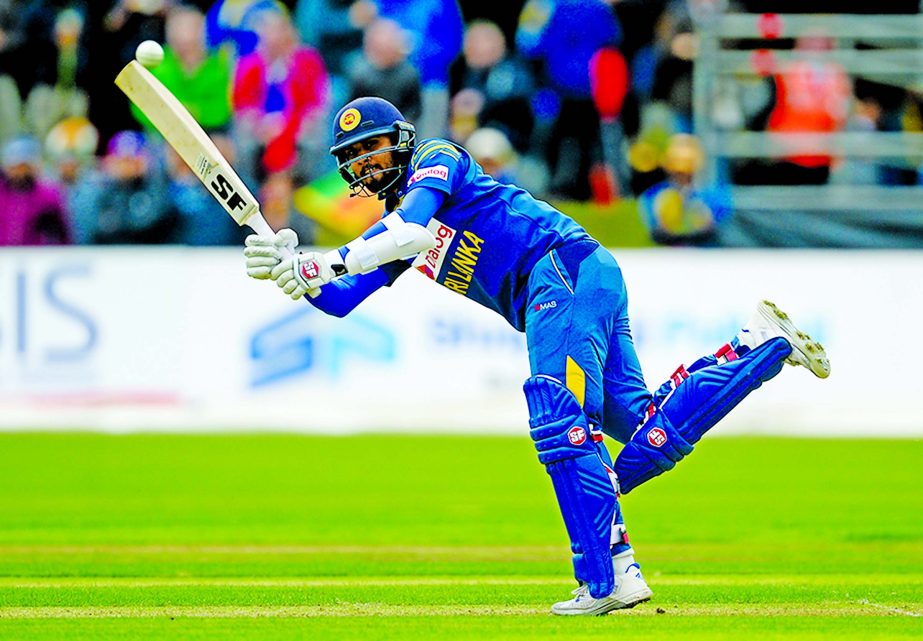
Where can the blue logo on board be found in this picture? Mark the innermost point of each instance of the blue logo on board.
(308, 341)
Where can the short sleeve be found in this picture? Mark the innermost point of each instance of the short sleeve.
(437, 164)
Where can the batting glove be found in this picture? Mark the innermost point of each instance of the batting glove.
(307, 272)
(264, 253)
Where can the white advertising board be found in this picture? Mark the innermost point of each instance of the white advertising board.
(123, 339)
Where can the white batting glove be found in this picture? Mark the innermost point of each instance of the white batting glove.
(264, 253)
(305, 273)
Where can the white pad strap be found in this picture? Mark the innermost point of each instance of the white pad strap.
(362, 254)
(396, 225)
(400, 239)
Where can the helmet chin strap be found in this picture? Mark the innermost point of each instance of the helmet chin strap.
(358, 188)
(401, 149)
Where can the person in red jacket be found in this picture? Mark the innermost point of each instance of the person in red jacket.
(281, 93)
(31, 208)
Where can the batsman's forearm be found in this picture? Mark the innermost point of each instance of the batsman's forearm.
(341, 296)
(400, 234)
(399, 240)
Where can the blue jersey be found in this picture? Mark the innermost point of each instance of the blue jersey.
(489, 235)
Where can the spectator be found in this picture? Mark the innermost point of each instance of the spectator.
(200, 219)
(643, 16)
(10, 108)
(642, 48)
(54, 94)
(384, 71)
(138, 17)
(502, 78)
(12, 36)
(199, 79)
(277, 205)
(563, 38)
(677, 212)
(436, 30)
(335, 29)
(493, 151)
(496, 155)
(657, 124)
(112, 32)
(32, 208)
(865, 116)
(234, 22)
(674, 51)
(127, 202)
(812, 96)
(890, 108)
(70, 148)
(30, 28)
(464, 109)
(504, 14)
(280, 99)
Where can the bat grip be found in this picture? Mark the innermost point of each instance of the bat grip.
(257, 223)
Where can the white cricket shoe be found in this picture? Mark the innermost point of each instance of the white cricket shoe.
(630, 590)
(768, 322)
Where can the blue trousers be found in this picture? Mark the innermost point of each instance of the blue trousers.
(578, 332)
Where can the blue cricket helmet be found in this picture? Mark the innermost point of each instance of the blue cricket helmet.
(365, 118)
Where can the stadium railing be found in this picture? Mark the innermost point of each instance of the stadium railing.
(897, 60)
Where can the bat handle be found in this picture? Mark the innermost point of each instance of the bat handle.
(257, 223)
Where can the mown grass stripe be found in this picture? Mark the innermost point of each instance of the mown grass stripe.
(833, 609)
(275, 549)
(486, 551)
(901, 611)
(409, 581)
(90, 582)
(250, 612)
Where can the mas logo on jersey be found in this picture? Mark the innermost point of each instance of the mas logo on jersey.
(350, 119)
(430, 262)
(656, 437)
(543, 306)
(439, 171)
(576, 435)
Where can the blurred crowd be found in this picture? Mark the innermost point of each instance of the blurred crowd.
(522, 85)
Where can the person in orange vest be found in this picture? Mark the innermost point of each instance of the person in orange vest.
(812, 97)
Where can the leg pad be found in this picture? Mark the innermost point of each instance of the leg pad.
(582, 484)
(692, 408)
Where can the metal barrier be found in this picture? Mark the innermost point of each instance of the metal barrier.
(896, 60)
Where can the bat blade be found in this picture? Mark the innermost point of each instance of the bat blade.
(186, 137)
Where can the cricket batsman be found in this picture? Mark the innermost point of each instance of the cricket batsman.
(540, 270)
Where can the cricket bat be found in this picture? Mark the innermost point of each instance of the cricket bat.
(185, 135)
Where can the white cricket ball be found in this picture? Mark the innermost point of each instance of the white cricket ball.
(149, 53)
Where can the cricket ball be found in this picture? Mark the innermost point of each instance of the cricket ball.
(149, 54)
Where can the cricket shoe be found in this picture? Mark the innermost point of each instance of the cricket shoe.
(768, 322)
(630, 590)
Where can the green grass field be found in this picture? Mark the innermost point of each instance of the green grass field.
(417, 537)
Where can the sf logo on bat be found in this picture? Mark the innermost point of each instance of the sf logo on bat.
(222, 187)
